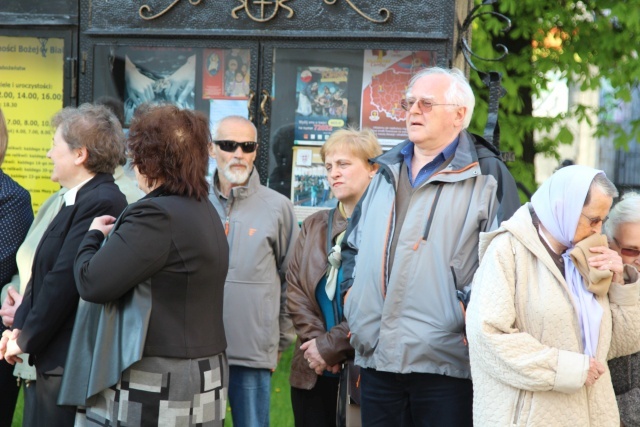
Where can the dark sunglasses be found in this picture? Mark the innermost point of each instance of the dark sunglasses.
(594, 221)
(627, 251)
(232, 146)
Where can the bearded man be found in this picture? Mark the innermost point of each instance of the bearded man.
(261, 230)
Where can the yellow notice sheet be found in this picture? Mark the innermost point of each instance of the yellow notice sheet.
(31, 89)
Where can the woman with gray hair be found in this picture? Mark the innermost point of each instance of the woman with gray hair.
(551, 303)
(623, 232)
(87, 146)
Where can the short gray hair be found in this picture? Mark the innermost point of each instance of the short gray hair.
(602, 183)
(95, 128)
(459, 92)
(238, 119)
(625, 211)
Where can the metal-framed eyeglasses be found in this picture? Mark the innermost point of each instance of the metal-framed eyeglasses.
(594, 221)
(232, 146)
(425, 105)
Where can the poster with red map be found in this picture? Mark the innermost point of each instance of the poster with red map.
(386, 74)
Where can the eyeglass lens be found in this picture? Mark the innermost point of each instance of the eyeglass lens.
(630, 252)
(424, 105)
(627, 251)
(594, 221)
(231, 146)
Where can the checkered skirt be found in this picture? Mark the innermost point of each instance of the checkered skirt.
(160, 391)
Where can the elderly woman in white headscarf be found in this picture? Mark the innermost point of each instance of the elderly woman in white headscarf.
(551, 304)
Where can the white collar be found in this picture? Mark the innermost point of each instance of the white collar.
(70, 196)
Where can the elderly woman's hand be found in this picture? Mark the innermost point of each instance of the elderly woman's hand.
(103, 223)
(9, 349)
(608, 260)
(313, 357)
(595, 370)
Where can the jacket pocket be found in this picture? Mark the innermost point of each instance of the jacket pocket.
(456, 322)
(519, 414)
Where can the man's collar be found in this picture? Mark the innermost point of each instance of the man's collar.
(239, 190)
(408, 150)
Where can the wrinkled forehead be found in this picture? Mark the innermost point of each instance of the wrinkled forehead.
(236, 131)
(430, 87)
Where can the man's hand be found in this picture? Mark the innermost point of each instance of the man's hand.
(277, 362)
(313, 358)
(596, 369)
(103, 223)
(9, 348)
(10, 306)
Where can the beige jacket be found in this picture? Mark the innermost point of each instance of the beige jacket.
(525, 342)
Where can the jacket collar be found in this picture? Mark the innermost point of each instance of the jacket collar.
(464, 164)
(241, 192)
(98, 179)
(339, 223)
(520, 225)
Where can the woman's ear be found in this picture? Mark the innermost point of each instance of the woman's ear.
(81, 156)
(374, 170)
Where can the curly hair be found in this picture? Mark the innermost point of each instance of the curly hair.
(170, 147)
(95, 128)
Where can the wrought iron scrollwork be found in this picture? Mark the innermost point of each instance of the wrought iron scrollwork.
(263, 106)
(145, 10)
(492, 79)
(252, 95)
(383, 12)
(262, 3)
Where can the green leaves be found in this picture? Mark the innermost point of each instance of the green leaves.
(586, 41)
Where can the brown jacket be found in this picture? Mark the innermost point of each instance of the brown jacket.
(306, 268)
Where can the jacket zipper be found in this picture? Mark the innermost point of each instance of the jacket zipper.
(433, 210)
(519, 405)
(228, 218)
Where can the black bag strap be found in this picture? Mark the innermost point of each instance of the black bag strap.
(330, 229)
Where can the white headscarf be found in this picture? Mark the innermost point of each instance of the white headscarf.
(558, 204)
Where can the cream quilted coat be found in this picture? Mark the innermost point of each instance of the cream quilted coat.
(525, 342)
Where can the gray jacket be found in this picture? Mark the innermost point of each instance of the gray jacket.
(625, 376)
(410, 319)
(262, 233)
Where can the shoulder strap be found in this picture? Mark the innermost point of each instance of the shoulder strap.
(330, 229)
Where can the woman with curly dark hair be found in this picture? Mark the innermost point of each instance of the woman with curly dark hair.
(171, 248)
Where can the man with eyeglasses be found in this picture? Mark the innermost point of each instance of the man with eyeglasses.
(622, 229)
(261, 230)
(412, 247)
